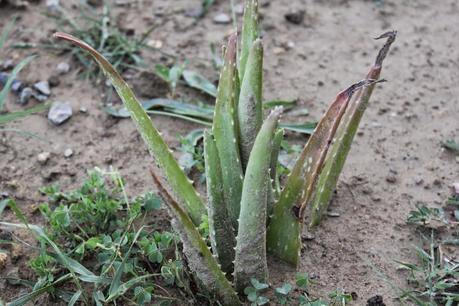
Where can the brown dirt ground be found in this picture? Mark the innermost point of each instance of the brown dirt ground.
(400, 133)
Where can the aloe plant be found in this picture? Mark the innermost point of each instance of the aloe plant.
(249, 215)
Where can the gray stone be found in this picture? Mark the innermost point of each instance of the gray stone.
(25, 95)
(53, 6)
(43, 87)
(222, 18)
(59, 112)
(68, 153)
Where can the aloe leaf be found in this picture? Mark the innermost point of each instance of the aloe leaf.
(12, 77)
(250, 112)
(249, 33)
(181, 186)
(200, 258)
(345, 135)
(273, 192)
(9, 117)
(195, 80)
(250, 259)
(283, 237)
(225, 132)
(220, 228)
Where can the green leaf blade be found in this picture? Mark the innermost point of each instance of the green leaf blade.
(177, 179)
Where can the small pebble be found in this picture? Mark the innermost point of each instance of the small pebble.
(25, 95)
(43, 157)
(17, 86)
(59, 112)
(42, 87)
(68, 153)
(53, 6)
(83, 110)
(63, 68)
(239, 9)
(222, 18)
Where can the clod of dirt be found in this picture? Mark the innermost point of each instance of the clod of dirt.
(391, 178)
(377, 300)
(3, 258)
(54, 81)
(59, 113)
(295, 17)
(149, 85)
(43, 157)
(63, 68)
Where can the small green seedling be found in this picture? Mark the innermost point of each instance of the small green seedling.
(424, 216)
(247, 217)
(254, 291)
(170, 75)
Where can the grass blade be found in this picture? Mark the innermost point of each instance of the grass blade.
(251, 239)
(181, 186)
(11, 78)
(250, 112)
(198, 254)
(220, 228)
(345, 135)
(9, 117)
(225, 132)
(75, 298)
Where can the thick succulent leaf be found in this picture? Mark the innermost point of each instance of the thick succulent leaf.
(221, 231)
(179, 183)
(200, 258)
(251, 239)
(249, 109)
(273, 191)
(224, 130)
(283, 238)
(249, 33)
(345, 135)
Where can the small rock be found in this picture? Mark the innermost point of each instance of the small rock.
(54, 81)
(391, 178)
(295, 17)
(63, 68)
(8, 64)
(333, 214)
(42, 87)
(59, 112)
(222, 18)
(456, 187)
(376, 300)
(155, 43)
(17, 86)
(4, 77)
(53, 6)
(68, 153)
(83, 110)
(196, 12)
(25, 95)
(43, 157)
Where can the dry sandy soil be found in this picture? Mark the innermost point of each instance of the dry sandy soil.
(396, 160)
